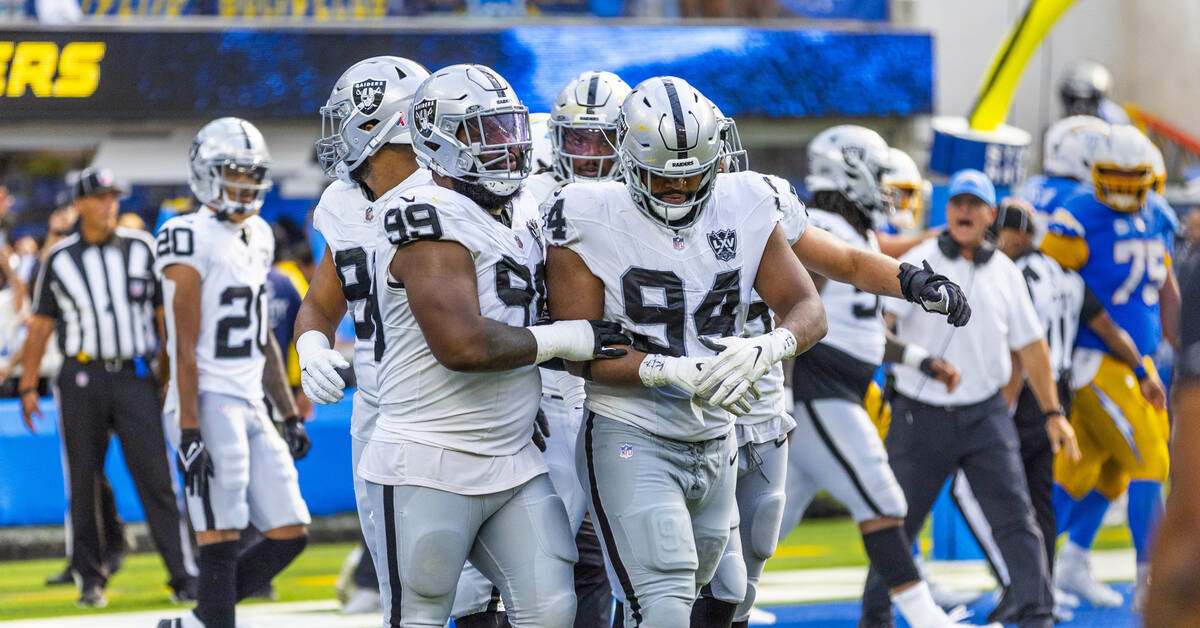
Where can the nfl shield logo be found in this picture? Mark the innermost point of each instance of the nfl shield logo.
(518, 239)
(626, 451)
(369, 214)
(678, 242)
(723, 243)
(368, 95)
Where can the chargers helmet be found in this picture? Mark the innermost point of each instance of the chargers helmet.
(1122, 168)
(367, 108)
(667, 129)
(1068, 146)
(591, 102)
(1160, 169)
(471, 126)
(223, 147)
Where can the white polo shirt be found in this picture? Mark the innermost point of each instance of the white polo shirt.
(1002, 319)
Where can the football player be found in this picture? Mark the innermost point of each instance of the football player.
(835, 446)
(1084, 89)
(672, 254)
(1067, 163)
(237, 469)
(908, 189)
(451, 470)
(581, 130)
(1120, 244)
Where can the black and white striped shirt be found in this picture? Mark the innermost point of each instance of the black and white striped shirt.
(102, 297)
(1062, 302)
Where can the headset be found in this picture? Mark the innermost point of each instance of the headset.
(952, 249)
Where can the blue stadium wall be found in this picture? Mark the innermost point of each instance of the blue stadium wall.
(123, 74)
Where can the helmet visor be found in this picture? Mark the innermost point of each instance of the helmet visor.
(500, 142)
(588, 152)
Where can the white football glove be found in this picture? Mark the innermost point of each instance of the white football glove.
(742, 361)
(318, 368)
(684, 374)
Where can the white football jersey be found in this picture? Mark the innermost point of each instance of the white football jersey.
(422, 401)
(350, 225)
(1058, 297)
(770, 418)
(668, 287)
(855, 324)
(233, 261)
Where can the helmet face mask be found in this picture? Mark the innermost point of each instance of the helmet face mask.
(734, 157)
(471, 126)
(1122, 169)
(367, 108)
(668, 131)
(230, 167)
(583, 127)
(585, 153)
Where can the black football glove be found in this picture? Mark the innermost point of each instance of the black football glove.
(296, 437)
(608, 333)
(194, 462)
(541, 430)
(934, 293)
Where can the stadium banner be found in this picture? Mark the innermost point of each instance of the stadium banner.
(124, 74)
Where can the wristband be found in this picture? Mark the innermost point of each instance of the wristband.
(1055, 412)
(559, 338)
(308, 344)
(25, 391)
(652, 370)
(913, 356)
(1140, 372)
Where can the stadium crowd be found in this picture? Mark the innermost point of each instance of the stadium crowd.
(876, 375)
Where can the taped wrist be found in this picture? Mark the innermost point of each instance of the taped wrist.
(784, 343)
(914, 357)
(561, 339)
(888, 551)
(653, 370)
(308, 344)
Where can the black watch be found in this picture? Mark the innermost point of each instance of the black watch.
(1055, 412)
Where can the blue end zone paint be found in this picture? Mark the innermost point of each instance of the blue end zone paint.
(845, 614)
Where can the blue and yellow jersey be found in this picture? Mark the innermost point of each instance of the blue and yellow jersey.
(1123, 257)
(1047, 193)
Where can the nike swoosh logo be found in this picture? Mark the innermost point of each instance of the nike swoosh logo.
(758, 354)
(732, 459)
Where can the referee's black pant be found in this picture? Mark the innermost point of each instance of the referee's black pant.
(926, 444)
(96, 398)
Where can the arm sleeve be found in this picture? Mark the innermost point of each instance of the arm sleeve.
(1092, 306)
(44, 302)
(1065, 240)
(1023, 324)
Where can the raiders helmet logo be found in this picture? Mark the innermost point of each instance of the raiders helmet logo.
(368, 95)
(424, 112)
(723, 243)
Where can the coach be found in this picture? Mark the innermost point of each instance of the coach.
(934, 431)
(97, 290)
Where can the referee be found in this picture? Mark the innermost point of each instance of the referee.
(97, 291)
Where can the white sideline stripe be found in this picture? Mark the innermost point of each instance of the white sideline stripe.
(777, 587)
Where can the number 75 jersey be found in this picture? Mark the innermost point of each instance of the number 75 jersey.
(668, 287)
(233, 261)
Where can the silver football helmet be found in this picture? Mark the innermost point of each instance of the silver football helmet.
(667, 130)
(733, 156)
(852, 161)
(367, 108)
(471, 126)
(230, 167)
(1069, 144)
(583, 127)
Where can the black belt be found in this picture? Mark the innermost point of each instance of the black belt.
(112, 365)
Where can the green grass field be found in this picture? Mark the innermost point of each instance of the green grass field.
(140, 585)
